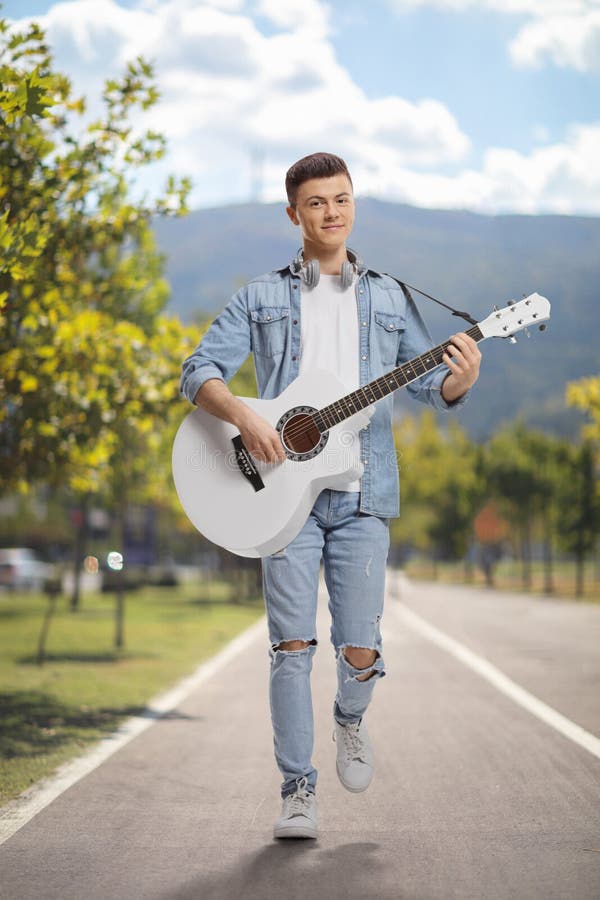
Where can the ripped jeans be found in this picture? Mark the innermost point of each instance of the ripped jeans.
(354, 548)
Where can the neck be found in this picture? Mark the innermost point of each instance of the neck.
(330, 261)
(380, 387)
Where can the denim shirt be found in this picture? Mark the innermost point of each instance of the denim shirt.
(263, 318)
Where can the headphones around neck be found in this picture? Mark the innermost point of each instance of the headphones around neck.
(311, 271)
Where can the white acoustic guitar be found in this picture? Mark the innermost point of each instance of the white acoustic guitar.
(254, 508)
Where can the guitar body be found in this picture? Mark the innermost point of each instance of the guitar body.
(253, 508)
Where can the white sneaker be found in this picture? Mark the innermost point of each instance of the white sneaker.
(298, 814)
(355, 762)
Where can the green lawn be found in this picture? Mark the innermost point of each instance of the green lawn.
(49, 713)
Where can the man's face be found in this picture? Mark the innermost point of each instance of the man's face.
(324, 211)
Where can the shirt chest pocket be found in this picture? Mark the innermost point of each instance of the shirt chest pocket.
(388, 331)
(269, 325)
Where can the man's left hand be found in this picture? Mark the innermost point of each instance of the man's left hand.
(463, 358)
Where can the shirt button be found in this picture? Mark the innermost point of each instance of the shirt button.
(295, 321)
(366, 462)
(361, 291)
(364, 323)
(294, 358)
(390, 326)
(363, 357)
(268, 318)
(295, 286)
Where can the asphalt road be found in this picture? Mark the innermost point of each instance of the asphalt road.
(474, 797)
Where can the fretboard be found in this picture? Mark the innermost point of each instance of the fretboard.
(386, 384)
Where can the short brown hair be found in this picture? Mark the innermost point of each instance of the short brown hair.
(317, 165)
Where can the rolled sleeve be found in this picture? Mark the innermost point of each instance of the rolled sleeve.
(436, 399)
(222, 350)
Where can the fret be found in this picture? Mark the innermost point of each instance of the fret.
(386, 384)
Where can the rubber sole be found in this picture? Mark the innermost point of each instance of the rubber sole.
(296, 831)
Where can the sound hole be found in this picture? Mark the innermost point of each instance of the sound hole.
(300, 434)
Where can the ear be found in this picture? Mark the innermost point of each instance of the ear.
(292, 215)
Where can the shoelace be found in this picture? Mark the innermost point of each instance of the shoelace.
(297, 803)
(352, 745)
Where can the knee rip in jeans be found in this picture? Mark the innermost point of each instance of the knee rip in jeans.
(293, 646)
(371, 670)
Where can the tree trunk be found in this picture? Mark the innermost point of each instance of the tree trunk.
(81, 537)
(120, 592)
(120, 617)
(53, 593)
(548, 554)
(579, 574)
(526, 555)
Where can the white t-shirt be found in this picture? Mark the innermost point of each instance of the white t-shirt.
(330, 334)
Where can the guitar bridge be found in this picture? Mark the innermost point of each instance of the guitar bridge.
(246, 463)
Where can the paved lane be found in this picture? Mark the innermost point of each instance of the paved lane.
(473, 796)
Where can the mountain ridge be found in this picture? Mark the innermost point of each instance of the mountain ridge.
(468, 260)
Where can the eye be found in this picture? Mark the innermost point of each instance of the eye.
(315, 204)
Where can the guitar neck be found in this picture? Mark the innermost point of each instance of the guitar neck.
(386, 384)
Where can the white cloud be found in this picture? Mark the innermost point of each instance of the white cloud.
(567, 40)
(563, 32)
(228, 90)
(236, 100)
(559, 178)
(297, 15)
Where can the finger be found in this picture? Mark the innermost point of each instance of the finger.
(465, 345)
(454, 358)
(278, 451)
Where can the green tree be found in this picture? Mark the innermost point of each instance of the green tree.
(578, 508)
(78, 266)
(585, 394)
(513, 478)
(440, 487)
(89, 365)
(584, 524)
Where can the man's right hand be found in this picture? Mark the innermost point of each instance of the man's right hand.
(261, 440)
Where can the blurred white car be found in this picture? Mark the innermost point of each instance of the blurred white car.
(21, 569)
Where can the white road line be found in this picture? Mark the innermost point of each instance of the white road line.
(24, 808)
(499, 680)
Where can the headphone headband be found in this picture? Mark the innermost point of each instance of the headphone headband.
(311, 271)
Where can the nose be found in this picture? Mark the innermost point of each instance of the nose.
(331, 211)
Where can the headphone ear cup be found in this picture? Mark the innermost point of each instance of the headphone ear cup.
(312, 272)
(347, 276)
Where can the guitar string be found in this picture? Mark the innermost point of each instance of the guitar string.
(340, 407)
(366, 394)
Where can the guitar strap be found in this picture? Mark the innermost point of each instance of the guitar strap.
(455, 312)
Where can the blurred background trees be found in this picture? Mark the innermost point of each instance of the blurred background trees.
(521, 494)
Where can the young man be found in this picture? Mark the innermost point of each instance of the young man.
(325, 310)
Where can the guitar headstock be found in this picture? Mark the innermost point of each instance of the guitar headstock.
(516, 316)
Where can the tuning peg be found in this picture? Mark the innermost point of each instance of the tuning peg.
(542, 327)
(510, 302)
(526, 330)
(513, 339)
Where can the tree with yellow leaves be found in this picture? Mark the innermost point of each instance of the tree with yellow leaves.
(89, 364)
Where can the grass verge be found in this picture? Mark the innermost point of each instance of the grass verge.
(508, 577)
(50, 713)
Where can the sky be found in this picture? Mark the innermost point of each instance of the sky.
(487, 105)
